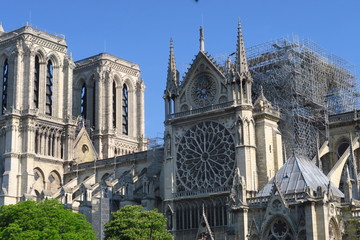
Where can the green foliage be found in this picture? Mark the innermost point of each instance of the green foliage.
(43, 220)
(131, 223)
(352, 229)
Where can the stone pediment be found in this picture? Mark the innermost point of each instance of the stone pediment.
(202, 63)
(84, 150)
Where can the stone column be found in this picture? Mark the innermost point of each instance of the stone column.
(18, 75)
(57, 94)
(311, 221)
(42, 86)
(140, 112)
(108, 103)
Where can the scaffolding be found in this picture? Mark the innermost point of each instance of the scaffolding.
(307, 84)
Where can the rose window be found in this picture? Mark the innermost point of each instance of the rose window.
(279, 230)
(205, 158)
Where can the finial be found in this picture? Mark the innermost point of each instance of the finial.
(1, 28)
(202, 40)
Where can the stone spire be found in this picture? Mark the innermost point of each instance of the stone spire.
(241, 62)
(202, 40)
(172, 76)
(1, 29)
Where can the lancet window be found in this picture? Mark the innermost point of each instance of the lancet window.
(36, 82)
(94, 104)
(49, 88)
(83, 101)
(114, 104)
(125, 110)
(5, 86)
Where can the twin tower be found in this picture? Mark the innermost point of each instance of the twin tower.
(46, 98)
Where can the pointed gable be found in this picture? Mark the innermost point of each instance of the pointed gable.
(84, 150)
(296, 176)
(202, 62)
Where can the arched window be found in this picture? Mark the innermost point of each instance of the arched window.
(125, 110)
(49, 88)
(36, 82)
(114, 104)
(83, 101)
(93, 106)
(5, 86)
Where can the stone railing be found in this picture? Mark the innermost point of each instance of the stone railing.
(201, 110)
(349, 116)
(201, 192)
(109, 161)
(288, 198)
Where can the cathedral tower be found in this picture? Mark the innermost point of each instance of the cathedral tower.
(109, 96)
(36, 126)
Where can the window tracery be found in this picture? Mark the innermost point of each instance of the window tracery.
(205, 158)
(279, 230)
(5, 86)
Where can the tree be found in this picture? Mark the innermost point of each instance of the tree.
(43, 220)
(131, 223)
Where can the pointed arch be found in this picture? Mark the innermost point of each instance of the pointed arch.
(334, 229)
(54, 58)
(54, 181)
(40, 52)
(39, 180)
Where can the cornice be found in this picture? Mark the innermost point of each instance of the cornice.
(109, 61)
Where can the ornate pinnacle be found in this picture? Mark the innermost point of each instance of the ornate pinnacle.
(241, 62)
(172, 80)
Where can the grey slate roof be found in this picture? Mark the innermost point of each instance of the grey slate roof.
(296, 175)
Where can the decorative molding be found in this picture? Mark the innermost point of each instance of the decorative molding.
(45, 43)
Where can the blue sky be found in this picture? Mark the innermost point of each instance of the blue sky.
(139, 31)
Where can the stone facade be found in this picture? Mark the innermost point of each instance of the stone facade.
(75, 131)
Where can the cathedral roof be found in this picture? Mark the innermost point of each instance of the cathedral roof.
(296, 175)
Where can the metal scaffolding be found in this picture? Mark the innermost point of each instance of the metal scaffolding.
(306, 83)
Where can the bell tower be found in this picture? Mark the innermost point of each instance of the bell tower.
(109, 98)
(37, 130)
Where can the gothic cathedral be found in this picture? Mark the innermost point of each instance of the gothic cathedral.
(75, 131)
